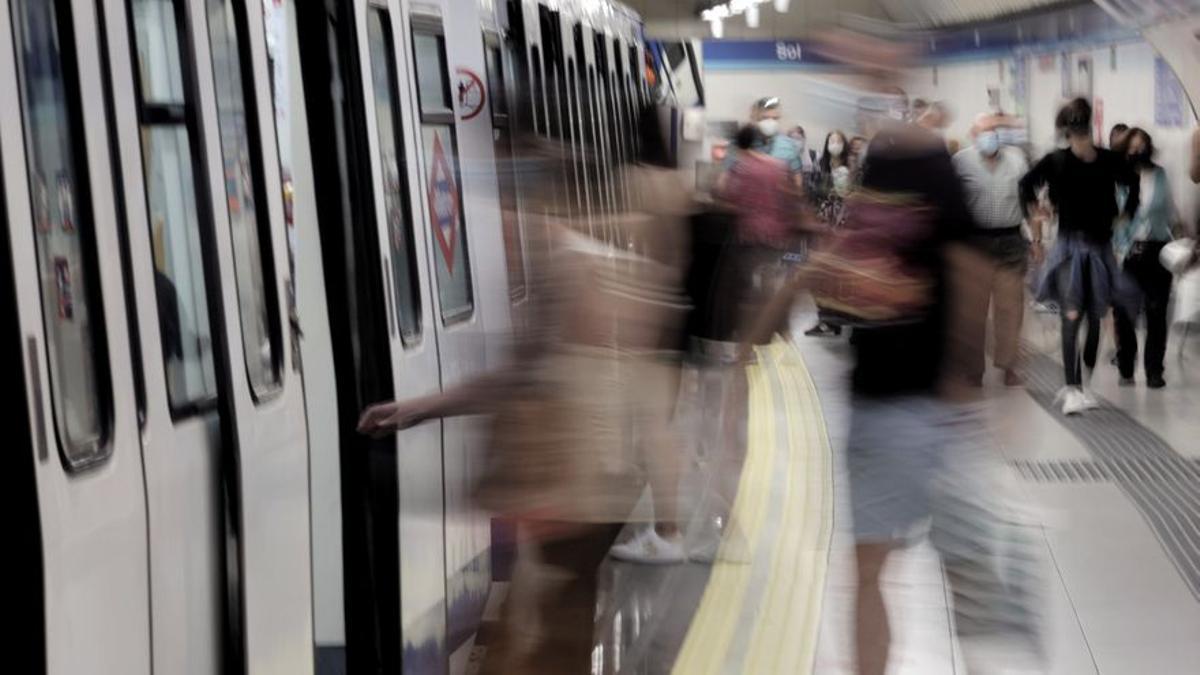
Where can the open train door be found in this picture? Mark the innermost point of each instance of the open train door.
(267, 457)
(75, 545)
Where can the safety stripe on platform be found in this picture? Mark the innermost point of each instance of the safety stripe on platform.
(761, 609)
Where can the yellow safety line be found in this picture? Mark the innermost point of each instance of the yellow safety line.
(712, 629)
(796, 636)
(784, 638)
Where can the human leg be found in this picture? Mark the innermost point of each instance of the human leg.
(1009, 313)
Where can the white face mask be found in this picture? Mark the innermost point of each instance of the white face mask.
(768, 127)
(836, 148)
(988, 143)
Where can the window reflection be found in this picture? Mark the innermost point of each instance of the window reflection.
(62, 222)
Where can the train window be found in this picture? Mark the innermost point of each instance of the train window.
(496, 81)
(539, 94)
(168, 163)
(62, 222)
(249, 227)
(443, 178)
(433, 86)
(510, 218)
(395, 181)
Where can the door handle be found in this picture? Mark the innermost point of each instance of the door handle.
(39, 409)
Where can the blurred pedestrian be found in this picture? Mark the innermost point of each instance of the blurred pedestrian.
(766, 117)
(1138, 243)
(766, 208)
(833, 182)
(592, 373)
(991, 174)
(1081, 274)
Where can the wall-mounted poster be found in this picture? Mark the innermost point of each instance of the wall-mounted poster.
(1169, 101)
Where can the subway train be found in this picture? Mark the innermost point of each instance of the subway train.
(228, 227)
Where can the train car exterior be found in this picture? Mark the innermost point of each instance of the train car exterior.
(228, 227)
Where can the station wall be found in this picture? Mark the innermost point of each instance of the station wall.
(1123, 82)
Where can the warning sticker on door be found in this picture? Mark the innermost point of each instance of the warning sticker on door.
(470, 94)
(443, 200)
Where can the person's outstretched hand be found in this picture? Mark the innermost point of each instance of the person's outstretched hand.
(382, 419)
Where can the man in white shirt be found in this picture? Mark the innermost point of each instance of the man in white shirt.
(991, 173)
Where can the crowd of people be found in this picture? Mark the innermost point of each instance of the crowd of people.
(907, 245)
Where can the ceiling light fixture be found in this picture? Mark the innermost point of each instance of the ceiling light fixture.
(781, 6)
(732, 8)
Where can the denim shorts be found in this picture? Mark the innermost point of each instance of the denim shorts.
(900, 450)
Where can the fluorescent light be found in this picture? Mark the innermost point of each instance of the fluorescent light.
(781, 6)
(752, 16)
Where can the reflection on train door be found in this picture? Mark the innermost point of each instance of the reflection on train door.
(157, 146)
(63, 279)
(270, 449)
(417, 472)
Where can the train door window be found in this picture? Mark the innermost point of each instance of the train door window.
(539, 93)
(395, 181)
(510, 219)
(439, 145)
(169, 171)
(249, 225)
(62, 222)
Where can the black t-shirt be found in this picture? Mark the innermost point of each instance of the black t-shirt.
(907, 358)
(1083, 193)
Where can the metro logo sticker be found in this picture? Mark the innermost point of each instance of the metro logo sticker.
(443, 202)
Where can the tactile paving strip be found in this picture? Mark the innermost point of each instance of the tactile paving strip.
(1162, 484)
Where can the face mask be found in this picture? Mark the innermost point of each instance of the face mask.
(1140, 158)
(836, 148)
(988, 143)
(801, 143)
(768, 127)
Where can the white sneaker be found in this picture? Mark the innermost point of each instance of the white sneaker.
(1090, 402)
(649, 548)
(1072, 399)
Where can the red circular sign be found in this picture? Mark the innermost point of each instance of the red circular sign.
(469, 93)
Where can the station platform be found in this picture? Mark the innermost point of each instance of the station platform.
(1114, 495)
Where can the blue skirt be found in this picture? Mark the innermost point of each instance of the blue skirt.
(1084, 275)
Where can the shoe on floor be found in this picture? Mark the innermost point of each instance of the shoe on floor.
(649, 548)
(1012, 378)
(1090, 401)
(1072, 400)
(1155, 381)
(1127, 381)
(824, 329)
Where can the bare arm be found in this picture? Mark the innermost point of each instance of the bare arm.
(772, 314)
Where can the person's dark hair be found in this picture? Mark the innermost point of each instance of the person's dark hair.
(1075, 118)
(747, 137)
(1146, 139)
(652, 145)
(844, 156)
(1118, 136)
